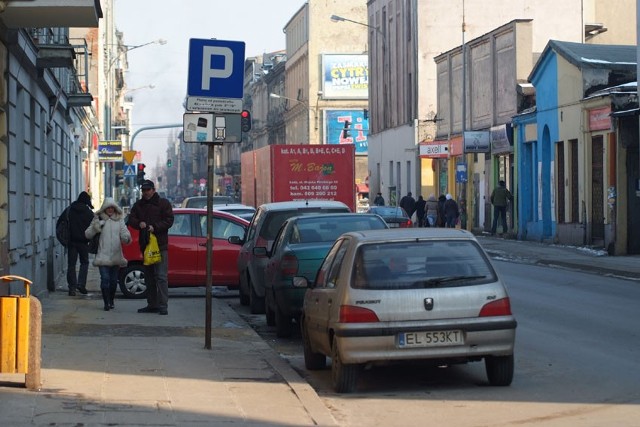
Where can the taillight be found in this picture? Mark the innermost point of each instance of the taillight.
(353, 314)
(289, 265)
(407, 224)
(501, 307)
(261, 242)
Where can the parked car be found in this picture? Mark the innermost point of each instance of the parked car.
(396, 295)
(237, 209)
(395, 216)
(263, 229)
(201, 201)
(187, 252)
(298, 249)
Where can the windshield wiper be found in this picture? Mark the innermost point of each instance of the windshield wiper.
(435, 281)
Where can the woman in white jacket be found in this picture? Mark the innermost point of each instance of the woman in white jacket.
(109, 222)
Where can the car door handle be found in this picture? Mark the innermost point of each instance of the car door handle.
(202, 244)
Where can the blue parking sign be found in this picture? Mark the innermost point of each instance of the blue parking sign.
(216, 68)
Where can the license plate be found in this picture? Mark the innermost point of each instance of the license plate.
(430, 339)
(393, 224)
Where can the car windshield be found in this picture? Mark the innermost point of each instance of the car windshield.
(421, 264)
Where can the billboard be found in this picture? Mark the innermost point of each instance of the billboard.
(110, 151)
(334, 121)
(345, 76)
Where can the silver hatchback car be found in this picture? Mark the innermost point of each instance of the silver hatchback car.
(407, 294)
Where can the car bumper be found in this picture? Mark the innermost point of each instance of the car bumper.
(364, 344)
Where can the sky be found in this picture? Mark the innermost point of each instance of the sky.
(258, 23)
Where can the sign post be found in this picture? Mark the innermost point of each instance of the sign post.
(215, 88)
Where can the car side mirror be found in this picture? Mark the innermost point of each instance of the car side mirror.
(261, 251)
(301, 282)
(235, 240)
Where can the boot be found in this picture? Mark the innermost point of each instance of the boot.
(105, 298)
(112, 296)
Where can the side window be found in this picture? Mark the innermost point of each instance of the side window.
(280, 237)
(257, 218)
(223, 229)
(181, 225)
(328, 272)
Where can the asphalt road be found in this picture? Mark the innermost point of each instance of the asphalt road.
(577, 363)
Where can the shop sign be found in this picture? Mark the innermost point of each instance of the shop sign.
(501, 139)
(477, 141)
(600, 119)
(434, 149)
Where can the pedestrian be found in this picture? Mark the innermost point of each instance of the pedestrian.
(109, 222)
(431, 211)
(420, 205)
(408, 203)
(80, 215)
(500, 198)
(451, 211)
(440, 221)
(153, 214)
(379, 200)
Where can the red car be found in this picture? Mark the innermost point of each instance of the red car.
(187, 252)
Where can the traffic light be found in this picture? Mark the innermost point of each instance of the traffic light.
(345, 130)
(141, 173)
(119, 178)
(169, 163)
(245, 121)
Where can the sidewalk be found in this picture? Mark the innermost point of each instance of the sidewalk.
(569, 257)
(129, 369)
(124, 368)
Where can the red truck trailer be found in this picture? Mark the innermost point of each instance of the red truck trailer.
(280, 173)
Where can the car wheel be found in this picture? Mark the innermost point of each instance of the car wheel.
(312, 361)
(343, 376)
(132, 283)
(269, 313)
(499, 370)
(244, 296)
(283, 324)
(256, 303)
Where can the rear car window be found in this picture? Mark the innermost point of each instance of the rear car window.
(319, 229)
(275, 219)
(421, 264)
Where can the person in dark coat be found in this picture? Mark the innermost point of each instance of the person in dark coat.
(420, 205)
(451, 211)
(80, 216)
(154, 214)
(440, 221)
(408, 203)
(379, 200)
(500, 198)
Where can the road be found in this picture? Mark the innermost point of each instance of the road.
(577, 363)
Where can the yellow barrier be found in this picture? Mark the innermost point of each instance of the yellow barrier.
(20, 334)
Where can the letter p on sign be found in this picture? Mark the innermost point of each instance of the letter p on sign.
(216, 68)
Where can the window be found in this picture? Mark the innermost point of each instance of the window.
(181, 226)
(222, 228)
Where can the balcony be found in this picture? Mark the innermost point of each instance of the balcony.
(51, 13)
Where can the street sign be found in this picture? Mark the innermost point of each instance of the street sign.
(214, 105)
(128, 156)
(129, 170)
(216, 68)
(211, 128)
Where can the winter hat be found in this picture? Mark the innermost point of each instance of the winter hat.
(110, 202)
(85, 198)
(448, 196)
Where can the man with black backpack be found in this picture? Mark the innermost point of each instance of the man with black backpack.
(78, 217)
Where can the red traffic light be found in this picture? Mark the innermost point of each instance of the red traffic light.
(244, 114)
(141, 166)
(245, 121)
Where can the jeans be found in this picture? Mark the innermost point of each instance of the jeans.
(108, 277)
(75, 251)
(155, 277)
(499, 211)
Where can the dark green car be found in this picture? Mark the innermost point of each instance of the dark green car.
(298, 250)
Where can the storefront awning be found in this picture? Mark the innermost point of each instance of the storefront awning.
(362, 188)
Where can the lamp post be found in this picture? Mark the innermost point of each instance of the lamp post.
(304, 104)
(385, 70)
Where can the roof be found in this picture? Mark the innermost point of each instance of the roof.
(400, 234)
(595, 56)
(302, 204)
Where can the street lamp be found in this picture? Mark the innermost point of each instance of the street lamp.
(385, 70)
(315, 113)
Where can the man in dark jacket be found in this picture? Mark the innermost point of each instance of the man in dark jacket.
(420, 206)
(154, 214)
(408, 203)
(500, 198)
(80, 216)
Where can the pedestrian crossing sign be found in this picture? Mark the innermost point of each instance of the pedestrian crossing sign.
(129, 170)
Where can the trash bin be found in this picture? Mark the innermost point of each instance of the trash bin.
(20, 333)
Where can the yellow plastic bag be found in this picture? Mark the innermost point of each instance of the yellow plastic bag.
(152, 251)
